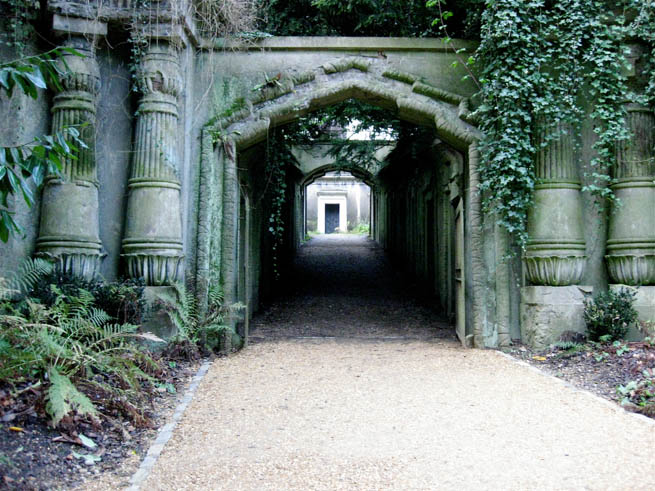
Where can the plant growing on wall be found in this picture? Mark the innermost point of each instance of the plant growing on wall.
(23, 166)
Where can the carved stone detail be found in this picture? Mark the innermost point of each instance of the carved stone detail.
(555, 254)
(69, 228)
(554, 270)
(631, 243)
(152, 245)
(156, 268)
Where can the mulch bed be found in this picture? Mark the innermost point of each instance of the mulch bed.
(600, 368)
(35, 456)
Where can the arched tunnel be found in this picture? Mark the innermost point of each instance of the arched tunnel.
(415, 214)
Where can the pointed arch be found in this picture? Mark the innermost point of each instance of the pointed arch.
(295, 94)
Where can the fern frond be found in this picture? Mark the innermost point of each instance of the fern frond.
(29, 273)
(97, 317)
(64, 398)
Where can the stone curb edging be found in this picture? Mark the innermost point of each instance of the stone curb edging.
(612, 405)
(166, 432)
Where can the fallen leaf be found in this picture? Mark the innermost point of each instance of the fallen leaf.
(539, 358)
(89, 459)
(16, 428)
(86, 441)
(150, 337)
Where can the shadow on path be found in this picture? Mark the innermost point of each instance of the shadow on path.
(343, 286)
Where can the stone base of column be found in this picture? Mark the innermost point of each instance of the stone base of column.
(549, 311)
(155, 317)
(645, 306)
(156, 268)
(84, 264)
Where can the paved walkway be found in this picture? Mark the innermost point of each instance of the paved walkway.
(385, 410)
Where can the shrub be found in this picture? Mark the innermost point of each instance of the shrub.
(122, 300)
(609, 315)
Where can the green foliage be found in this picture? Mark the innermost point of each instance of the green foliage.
(69, 344)
(347, 18)
(16, 22)
(278, 159)
(538, 59)
(64, 398)
(207, 330)
(609, 315)
(122, 300)
(640, 393)
(24, 166)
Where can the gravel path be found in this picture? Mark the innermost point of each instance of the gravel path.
(343, 286)
(398, 405)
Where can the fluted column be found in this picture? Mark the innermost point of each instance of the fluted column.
(152, 246)
(555, 254)
(631, 243)
(69, 229)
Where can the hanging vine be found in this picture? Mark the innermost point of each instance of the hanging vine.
(538, 59)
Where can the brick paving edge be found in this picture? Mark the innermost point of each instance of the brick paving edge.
(166, 432)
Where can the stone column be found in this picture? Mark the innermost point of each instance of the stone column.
(152, 246)
(555, 257)
(631, 238)
(631, 243)
(69, 229)
(555, 254)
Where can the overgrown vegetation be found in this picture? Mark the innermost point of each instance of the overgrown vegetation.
(55, 336)
(542, 67)
(210, 331)
(24, 165)
(609, 315)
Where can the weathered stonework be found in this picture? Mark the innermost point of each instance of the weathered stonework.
(555, 253)
(152, 246)
(69, 228)
(631, 242)
(547, 312)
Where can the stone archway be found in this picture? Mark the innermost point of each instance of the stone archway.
(298, 93)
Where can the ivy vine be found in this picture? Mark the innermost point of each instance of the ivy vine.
(537, 60)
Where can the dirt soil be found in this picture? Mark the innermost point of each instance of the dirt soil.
(599, 368)
(34, 456)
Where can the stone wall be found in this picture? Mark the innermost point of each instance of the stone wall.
(171, 186)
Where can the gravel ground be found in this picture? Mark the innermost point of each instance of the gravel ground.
(330, 414)
(380, 396)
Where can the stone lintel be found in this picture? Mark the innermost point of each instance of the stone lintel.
(63, 24)
(335, 43)
(645, 306)
(166, 31)
(549, 311)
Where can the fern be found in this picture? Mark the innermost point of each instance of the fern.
(64, 398)
(182, 310)
(24, 279)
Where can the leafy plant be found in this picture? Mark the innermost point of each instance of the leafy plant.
(209, 331)
(73, 347)
(621, 348)
(609, 315)
(640, 393)
(24, 166)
